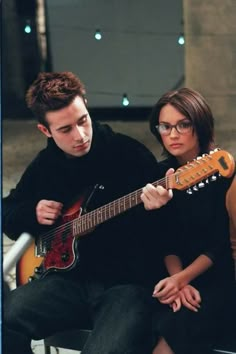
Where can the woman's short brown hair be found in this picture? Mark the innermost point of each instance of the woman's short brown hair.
(194, 107)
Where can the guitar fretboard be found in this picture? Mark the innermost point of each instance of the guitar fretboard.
(90, 220)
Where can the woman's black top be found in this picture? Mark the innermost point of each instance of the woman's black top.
(200, 225)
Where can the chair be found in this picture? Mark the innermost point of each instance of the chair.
(73, 339)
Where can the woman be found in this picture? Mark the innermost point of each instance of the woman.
(198, 250)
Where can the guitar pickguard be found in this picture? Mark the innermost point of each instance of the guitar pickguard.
(62, 251)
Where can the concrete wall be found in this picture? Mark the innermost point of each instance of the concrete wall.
(210, 59)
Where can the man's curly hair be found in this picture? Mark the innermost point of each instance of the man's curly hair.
(52, 91)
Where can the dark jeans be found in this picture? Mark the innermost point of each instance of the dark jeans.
(119, 315)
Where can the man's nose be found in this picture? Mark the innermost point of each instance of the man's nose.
(78, 133)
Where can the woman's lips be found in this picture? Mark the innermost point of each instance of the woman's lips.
(175, 146)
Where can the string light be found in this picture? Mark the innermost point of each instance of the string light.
(181, 39)
(98, 35)
(125, 101)
(27, 28)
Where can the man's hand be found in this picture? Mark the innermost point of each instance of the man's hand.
(47, 211)
(155, 197)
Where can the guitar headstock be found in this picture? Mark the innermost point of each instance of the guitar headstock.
(219, 161)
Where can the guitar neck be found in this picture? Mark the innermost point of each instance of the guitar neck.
(90, 220)
(219, 161)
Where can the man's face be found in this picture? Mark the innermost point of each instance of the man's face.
(70, 128)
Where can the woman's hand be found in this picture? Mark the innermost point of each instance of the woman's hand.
(166, 290)
(190, 297)
(176, 304)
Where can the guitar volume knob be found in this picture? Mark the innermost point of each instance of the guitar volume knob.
(37, 270)
(65, 257)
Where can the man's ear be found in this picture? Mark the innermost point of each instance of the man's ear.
(44, 130)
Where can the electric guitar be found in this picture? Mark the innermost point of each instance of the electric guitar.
(56, 250)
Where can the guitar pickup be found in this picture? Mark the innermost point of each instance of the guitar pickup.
(41, 248)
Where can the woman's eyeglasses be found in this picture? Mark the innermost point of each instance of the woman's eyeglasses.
(183, 127)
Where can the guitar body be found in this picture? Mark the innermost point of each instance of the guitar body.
(26, 265)
(61, 251)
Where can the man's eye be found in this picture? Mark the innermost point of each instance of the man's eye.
(84, 119)
(66, 130)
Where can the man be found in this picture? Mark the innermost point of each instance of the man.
(108, 282)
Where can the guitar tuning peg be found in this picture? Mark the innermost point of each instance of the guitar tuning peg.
(195, 188)
(189, 191)
(207, 181)
(213, 178)
(201, 185)
(199, 157)
(211, 152)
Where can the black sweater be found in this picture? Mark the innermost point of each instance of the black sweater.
(125, 248)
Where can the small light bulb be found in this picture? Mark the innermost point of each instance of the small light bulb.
(98, 35)
(125, 101)
(27, 29)
(181, 40)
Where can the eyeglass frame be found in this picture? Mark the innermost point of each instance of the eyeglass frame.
(171, 126)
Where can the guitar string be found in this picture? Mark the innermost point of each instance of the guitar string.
(50, 235)
(93, 212)
(65, 227)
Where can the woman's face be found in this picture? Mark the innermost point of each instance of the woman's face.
(183, 145)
